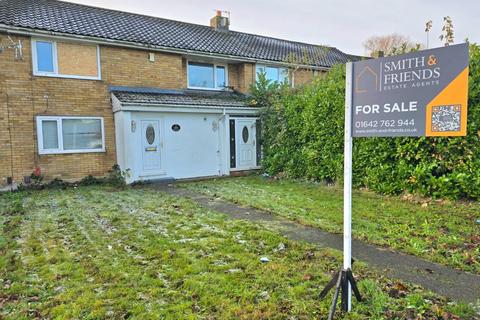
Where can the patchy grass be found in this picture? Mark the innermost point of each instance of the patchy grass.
(99, 253)
(444, 232)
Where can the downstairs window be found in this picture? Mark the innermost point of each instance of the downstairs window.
(70, 134)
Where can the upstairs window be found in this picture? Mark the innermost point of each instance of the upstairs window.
(44, 50)
(206, 76)
(221, 81)
(70, 134)
(65, 59)
(274, 74)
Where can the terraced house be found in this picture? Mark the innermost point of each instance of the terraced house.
(84, 88)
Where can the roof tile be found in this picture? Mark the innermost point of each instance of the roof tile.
(76, 19)
(163, 97)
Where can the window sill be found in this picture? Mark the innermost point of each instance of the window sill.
(47, 152)
(207, 89)
(64, 76)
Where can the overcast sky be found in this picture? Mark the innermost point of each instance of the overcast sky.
(344, 24)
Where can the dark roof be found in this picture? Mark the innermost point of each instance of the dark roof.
(188, 97)
(353, 57)
(76, 19)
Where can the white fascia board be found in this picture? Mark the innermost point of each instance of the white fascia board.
(185, 109)
(136, 45)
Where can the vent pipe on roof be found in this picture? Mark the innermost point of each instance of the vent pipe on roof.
(221, 21)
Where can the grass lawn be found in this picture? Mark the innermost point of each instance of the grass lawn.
(442, 232)
(100, 253)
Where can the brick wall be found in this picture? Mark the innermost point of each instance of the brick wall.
(29, 96)
(130, 67)
(246, 76)
(4, 132)
(16, 105)
(233, 76)
(78, 59)
(25, 96)
(304, 76)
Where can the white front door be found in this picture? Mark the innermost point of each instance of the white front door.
(151, 146)
(245, 136)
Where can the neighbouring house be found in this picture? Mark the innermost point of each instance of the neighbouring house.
(83, 88)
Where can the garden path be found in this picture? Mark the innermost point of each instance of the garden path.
(443, 280)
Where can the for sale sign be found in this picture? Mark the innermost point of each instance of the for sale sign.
(423, 93)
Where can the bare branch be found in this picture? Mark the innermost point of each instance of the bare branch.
(389, 44)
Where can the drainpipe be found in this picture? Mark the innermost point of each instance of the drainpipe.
(223, 115)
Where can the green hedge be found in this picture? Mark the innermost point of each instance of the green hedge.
(303, 138)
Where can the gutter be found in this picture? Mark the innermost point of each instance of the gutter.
(137, 45)
(150, 107)
(146, 104)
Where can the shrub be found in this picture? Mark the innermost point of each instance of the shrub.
(115, 177)
(303, 138)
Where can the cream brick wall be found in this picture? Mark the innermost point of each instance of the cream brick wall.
(246, 76)
(4, 132)
(130, 67)
(233, 76)
(302, 76)
(27, 98)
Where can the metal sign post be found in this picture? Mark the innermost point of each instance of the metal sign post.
(344, 280)
(423, 93)
(347, 180)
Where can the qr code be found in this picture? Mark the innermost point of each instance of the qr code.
(446, 118)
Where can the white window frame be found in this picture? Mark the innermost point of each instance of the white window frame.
(35, 59)
(55, 72)
(215, 65)
(60, 149)
(259, 65)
